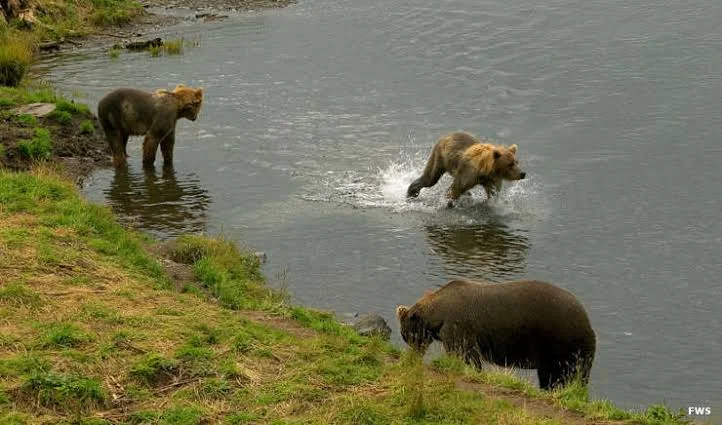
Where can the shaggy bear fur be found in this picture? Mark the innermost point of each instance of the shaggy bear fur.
(470, 162)
(526, 324)
(131, 112)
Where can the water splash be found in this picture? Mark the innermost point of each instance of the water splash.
(385, 187)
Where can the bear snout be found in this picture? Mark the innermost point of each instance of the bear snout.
(522, 175)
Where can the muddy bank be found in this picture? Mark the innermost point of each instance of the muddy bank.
(69, 136)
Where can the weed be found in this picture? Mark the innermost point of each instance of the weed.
(64, 335)
(39, 148)
(155, 51)
(87, 127)
(64, 392)
(173, 47)
(19, 295)
(189, 415)
(114, 52)
(71, 107)
(61, 117)
(24, 365)
(154, 369)
(16, 54)
(27, 120)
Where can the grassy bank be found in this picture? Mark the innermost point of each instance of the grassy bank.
(101, 325)
(42, 21)
(70, 133)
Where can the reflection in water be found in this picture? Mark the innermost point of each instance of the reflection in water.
(163, 205)
(488, 250)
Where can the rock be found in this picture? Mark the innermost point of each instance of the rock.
(36, 109)
(262, 258)
(49, 46)
(372, 324)
(143, 45)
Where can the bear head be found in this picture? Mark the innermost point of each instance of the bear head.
(506, 166)
(413, 328)
(190, 100)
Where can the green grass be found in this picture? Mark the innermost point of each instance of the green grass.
(61, 117)
(90, 323)
(27, 120)
(114, 52)
(173, 47)
(2, 153)
(39, 147)
(63, 335)
(16, 55)
(63, 392)
(18, 294)
(87, 127)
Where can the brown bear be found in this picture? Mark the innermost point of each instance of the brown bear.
(128, 112)
(526, 324)
(470, 162)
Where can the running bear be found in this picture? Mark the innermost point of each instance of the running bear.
(470, 162)
(526, 324)
(128, 112)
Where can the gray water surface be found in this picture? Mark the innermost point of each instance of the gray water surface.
(317, 117)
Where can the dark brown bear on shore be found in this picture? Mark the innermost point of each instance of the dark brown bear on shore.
(131, 112)
(526, 324)
(470, 162)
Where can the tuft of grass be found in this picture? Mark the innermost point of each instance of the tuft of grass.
(27, 120)
(2, 153)
(24, 365)
(185, 415)
(114, 52)
(71, 107)
(155, 51)
(154, 369)
(16, 55)
(64, 392)
(17, 294)
(39, 147)
(61, 117)
(87, 127)
(65, 335)
(114, 12)
(173, 47)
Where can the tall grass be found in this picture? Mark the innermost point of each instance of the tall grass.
(16, 54)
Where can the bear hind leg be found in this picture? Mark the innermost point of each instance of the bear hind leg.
(432, 173)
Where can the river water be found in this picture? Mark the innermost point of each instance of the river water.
(317, 117)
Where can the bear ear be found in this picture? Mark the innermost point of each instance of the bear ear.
(497, 154)
(401, 311)
(512, 149)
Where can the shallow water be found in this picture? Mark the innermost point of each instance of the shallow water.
(317, 117)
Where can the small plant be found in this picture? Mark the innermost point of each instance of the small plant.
(87, 127)
(39, 147)
(5, 102)
(71, 107)
(155, 51)
(17, 294)
(64, 335)
(27, 120)
(154, 369)
(65, 392)
(114, 52)
(173, 47)
(61, 117)
(15, 57)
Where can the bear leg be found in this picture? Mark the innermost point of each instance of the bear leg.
(166, 148)
(150, 147)
(432, 173)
